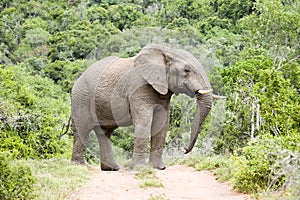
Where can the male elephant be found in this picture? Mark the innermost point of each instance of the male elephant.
(115, 92)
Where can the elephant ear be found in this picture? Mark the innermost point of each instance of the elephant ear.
(153, 64)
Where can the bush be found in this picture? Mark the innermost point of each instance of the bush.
(32, 112)
(268, 163)
(16, 181)
(65, 73)
(252, 170)
(207, 162)
(260, 100)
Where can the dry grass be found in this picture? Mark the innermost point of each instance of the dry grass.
(56, 178)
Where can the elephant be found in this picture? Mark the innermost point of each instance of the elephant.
(116, 92)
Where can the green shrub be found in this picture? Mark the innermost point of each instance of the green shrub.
(123, 138)
(32, 112)
(206, 162)
(65, 73)
(252, 170)
(16, 181)
(260, 100)
(267, 163)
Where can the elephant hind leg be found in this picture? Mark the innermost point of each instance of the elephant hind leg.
(78, 150)
(80, 138)
(106, 154)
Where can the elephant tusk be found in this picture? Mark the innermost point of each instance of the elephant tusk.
(213, 95)
(204, 91)
(218, 97)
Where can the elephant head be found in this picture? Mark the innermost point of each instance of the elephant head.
(177, 71)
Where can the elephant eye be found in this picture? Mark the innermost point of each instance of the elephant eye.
(187, 70)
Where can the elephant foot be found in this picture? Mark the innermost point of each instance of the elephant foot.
(156, 160)
(160, 166)
(78, 161)
(134, 165)
(138, 163)
(109, 168)
(138, 160)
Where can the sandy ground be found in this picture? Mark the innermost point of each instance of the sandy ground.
(180, 182)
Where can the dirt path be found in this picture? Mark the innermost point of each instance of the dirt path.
(180, 182)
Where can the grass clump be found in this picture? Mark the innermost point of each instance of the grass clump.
(221, 165)
(207, 162)
(151, 183)
(148, 177)
(145, 173)
(158, 197)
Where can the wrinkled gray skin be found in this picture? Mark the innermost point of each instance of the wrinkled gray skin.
(115, 92)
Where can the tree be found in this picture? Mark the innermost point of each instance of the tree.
(33, 45)
(274, 25)
(11, 31)
(123, 16)
(232, 9)
(260, 101)
(65, 73)
(78, 40)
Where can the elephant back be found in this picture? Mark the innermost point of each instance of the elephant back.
(90, 78)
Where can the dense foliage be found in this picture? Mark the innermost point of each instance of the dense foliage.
(16, 180)
(32, 111)
(250, 50)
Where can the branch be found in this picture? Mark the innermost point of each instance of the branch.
(296, 58)
(274, 46)
(284, 53)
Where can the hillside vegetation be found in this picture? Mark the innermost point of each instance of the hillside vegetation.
(250, 49)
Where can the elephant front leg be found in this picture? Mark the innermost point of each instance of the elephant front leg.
(142, 131)
(140, 149)
(156, 151)
(158, 136)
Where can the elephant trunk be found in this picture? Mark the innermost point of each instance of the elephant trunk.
(204, 102)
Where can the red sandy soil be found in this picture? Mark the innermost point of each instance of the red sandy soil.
(179, 183)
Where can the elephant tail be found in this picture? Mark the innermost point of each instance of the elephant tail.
(67, 126)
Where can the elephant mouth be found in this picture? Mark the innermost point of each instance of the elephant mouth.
(193, 93)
